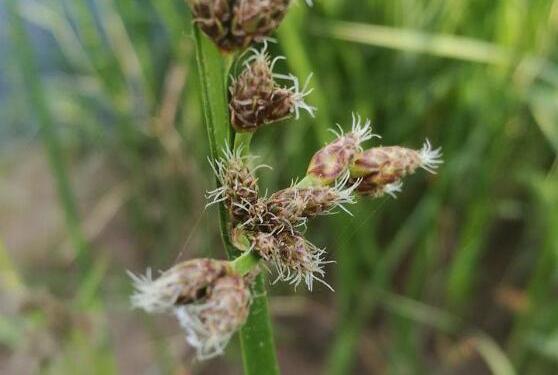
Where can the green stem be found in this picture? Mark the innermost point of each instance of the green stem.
(245, 263)
(256, 337)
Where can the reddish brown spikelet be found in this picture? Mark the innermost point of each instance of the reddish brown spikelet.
(209, 323)
(264, 244)
(232, 301)
(330, 162)
(239, 187)
(183, 283)
(385, 165)
(213, 17)
(295, 203)
(381, 169)
(255, 19)
(256, 99)
(298, 260)
(242, 191)
(236, 24)
(333, 160)
(369, 188)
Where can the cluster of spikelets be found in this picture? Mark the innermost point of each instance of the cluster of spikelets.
(211, 298)
(273, 226)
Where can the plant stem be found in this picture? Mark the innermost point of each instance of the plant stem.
(245, 263)
(256, 337)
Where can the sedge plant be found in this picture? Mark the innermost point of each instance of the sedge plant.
(213, 299)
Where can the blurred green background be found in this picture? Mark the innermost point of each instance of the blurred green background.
(103, 169)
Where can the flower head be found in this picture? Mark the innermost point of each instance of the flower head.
(333, 160)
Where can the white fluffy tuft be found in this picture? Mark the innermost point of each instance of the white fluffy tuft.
(430, 158)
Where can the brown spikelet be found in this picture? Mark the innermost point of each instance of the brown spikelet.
(298, 203)
(239, 186)
(210, 323)
(236, 24)
(333, 160)
(181, 284)
(264, 244)
(256, 99)
(255, 19)
(386, 164)
(380, 169)
(299, 260)
(213, 17)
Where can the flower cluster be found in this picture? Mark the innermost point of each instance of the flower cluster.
(210, 301)
(272, 226)
(256, 98)
(236, 24)
(211, 298)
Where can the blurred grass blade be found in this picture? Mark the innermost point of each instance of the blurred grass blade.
(256, 337)
(38, 103)
(289, 35)
(493, 355)
(490, 351)
(544, 105)
(9, 277)
(416, 41)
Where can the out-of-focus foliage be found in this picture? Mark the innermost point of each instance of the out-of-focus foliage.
(103, 152)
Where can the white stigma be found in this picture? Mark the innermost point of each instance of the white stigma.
(393, 188)
(299, 94)
(362, 131)
(155, 296)
(430, 158)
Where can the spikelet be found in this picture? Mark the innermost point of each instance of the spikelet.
(236, 24)
(299, 260)
(183, 283)
(238, 185)
(332, 161)
(210, 301)
(382, 168)
(256, 99)
(210, 323)
(296, 204)
(214, 17)
(253, 20)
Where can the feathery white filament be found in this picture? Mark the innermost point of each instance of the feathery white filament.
(299, 94)
(310, 268)
(393, 188)
(362, 131)
(155, 296)
(430, 158)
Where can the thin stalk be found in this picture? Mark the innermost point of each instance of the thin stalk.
(256, 337)
(38, 103)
